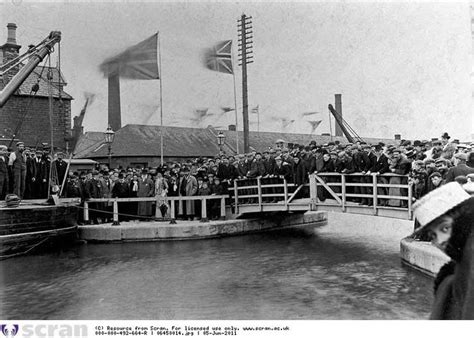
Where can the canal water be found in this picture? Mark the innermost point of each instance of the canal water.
(339, 272)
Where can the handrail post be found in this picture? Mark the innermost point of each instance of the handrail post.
(86, 212)
(285, 187)
(204, 209)
(180, 207)
(115, 217)
(236, 198)
(312, 191)
(343, 192)
(259, 189)
(172, 212)
(222, 208)
(157, 208)
(374, 192)
(410, 196)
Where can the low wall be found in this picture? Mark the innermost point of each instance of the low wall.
(186, 230)
(422, 256)
(382, 226)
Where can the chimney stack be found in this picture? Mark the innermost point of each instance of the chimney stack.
(11, 33)
(8, 52)
(398, 137)
(115, 115)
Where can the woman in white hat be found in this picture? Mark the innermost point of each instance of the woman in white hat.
(447, 216)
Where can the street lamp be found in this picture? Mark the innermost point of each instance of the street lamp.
(220, 140)
(109, 139)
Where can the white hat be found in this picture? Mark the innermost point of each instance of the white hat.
(438, 202)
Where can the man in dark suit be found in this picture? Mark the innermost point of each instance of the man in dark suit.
(4, 181)
(30, 173)
(43, 174)
(380, 166)
(37, 181)
(61, 167)
(460, 168)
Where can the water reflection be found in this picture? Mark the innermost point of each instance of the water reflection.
(334, 274)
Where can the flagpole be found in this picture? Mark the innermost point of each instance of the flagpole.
(235, 104)
(258, 120)
(160, 70)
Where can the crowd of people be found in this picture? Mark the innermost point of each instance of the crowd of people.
(425, 164)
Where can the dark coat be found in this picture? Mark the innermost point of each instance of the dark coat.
(460, 170)
(257, 168)
(226, 172)
(93, 189)
(299, 174)
(269, 165)
(61, 167)
(328, 167)
(309, 162)
(380, 165)
(361, 161)
(454, 297)
(121, 190)
(348, 166)
(402, 167)
(283, 171)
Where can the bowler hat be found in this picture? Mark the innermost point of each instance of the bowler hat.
(446, 136)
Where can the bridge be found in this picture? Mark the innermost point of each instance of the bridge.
(387, 195)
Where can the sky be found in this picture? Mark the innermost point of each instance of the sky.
(401, 67)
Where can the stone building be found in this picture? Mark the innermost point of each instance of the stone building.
(25, 116)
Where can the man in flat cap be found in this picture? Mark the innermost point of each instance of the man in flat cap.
(17, 163)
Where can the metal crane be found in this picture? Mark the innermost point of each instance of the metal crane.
(45, 48)
(344, 126)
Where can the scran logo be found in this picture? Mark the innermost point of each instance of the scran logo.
(9, 330)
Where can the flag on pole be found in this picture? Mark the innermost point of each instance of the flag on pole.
(138, 62)
(314, 125)
(219, 58)
(310, 113)
(285, 123)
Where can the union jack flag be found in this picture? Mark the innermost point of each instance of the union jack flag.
(137, 62)
(219, 58)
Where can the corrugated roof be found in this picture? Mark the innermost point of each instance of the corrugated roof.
(141, 140)
(41, 73)
(260, 141)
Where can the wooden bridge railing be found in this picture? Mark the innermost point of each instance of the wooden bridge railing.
(263, 190)
(158, 200)
(387, 191)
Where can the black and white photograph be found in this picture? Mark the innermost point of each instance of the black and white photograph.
(271, 165)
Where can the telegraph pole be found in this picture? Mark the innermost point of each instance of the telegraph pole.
(244, 28)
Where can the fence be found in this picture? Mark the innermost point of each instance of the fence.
(260, 191)
(387, 194)
(158, 200)
(391, 193)
(384, 195)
